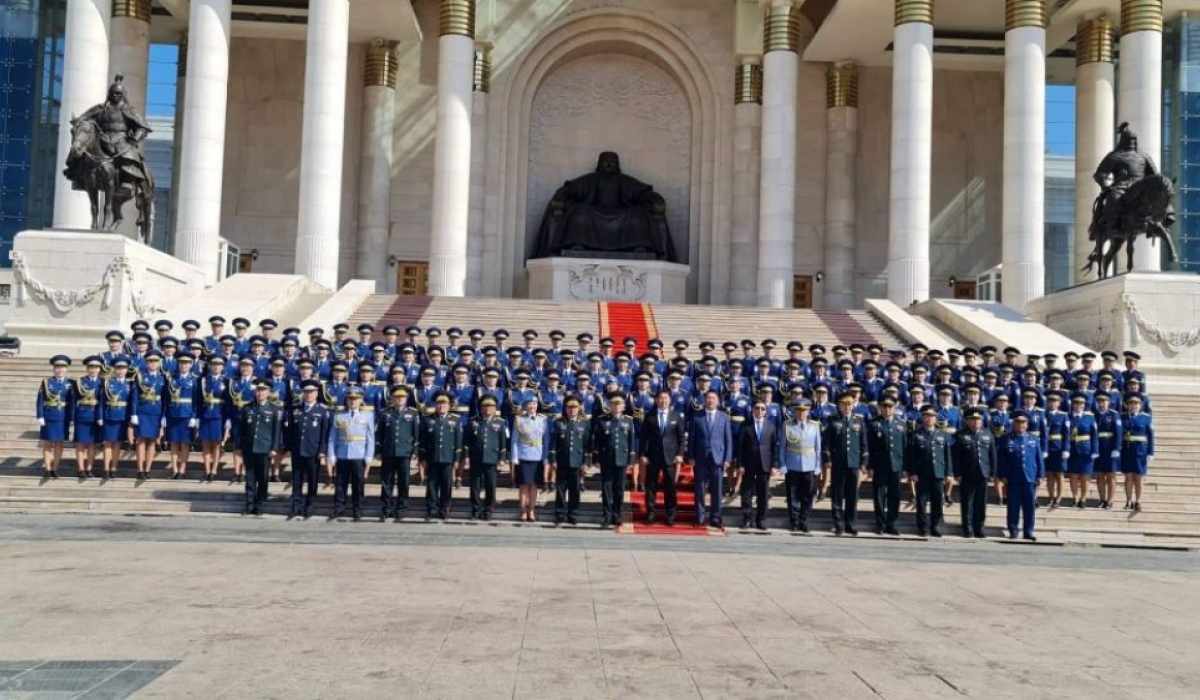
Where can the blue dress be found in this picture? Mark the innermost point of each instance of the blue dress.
(180, 407)
(55, 403)
(1084, 444)
(211, 406)
(1139, 443)
(88, 410)
(117, 397)
(1057, 434)
(148, 392)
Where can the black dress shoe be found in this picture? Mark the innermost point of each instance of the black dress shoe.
(335, 515)
(967, 535)
(1080, 504)
(246, 510)
(837, 530)
(257, 512)
(852, 532)
(935, 533)
(670, 522)
(921, 533)
(761, 527)
(291, 516)
(53, 475)
(793, 528)
(1030, 538)
(487, 515)
(745, 524)
(892, 531)
(1137, 506)
(572, 520)
(981, 536)
(878, 531)
(649, 520)
(605, 525)
(307, 514)
(356, 517)
(804, 529)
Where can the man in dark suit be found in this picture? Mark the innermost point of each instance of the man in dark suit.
(710, 450)
(757, 459)
(307, 432)
(663, 441)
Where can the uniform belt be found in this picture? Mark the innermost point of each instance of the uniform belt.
(801, 451)
(461, 409)
(1056, 437)
(1135, 438)
(738, 419)
(87, 402)
(1105, 435)
(1035, 433)
(367, 409)
(181, 401)
(214, 402)
(529, 443)
(116, 404)
(1082, 438)
(353, 438)
(949, 431)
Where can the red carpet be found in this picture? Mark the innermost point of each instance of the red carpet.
(622, 320)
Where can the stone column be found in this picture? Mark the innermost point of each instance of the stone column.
(747, 140)
(841, 158)
(129, 47)
(375, 162)
(452, 149)
(180, 100)
(479, 115)
(912, 152)
(1140, 99)
(84, 84)
(202, 145)
(319, 222)
(1023, 223)
(777, 191)
(1095, 107)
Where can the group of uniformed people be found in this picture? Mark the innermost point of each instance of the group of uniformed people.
(464, 408)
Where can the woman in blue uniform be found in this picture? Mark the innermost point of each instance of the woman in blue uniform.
(241, 394)
(1110, 435)
(212, 398)
(1138, 450)
(180, 409)
(146, 420)
(55, 403)
(88, 415)
(1084, 445)
(118, 390)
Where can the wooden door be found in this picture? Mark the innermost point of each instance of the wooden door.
(802, 292)
(412, 278)
(964, 290)
(246, 262)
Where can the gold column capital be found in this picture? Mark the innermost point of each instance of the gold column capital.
(781, 28)
(1094, 41)
(457, 18)
(914, 11)
(841, 85)
(379, 68)
(747, 84)
(1024, 13)
(483, 70)
(137, 9)
(1141, 16)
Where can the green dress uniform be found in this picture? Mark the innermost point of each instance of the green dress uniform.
(614, 446)
(844, 442)
(440, 448)
(569, 445)
(486, 446)
(930, 461)
(260, 433)
(888, 442)
(397, 435)
(974, 459)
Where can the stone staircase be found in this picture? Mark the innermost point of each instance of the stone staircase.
(691, 323)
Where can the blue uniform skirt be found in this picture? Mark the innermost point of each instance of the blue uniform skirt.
(1134, 465)
(526, 472)
(147, 427)
(87, 433)
(113, 431)
(1105, 464)
(53, 431)
(1080, 464)
(212, 429)
(178, 430)
(1054, 463)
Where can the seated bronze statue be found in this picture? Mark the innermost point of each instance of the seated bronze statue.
(606, 211)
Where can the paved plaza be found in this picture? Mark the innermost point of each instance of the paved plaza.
(237, 608)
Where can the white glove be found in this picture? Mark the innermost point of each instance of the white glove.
(1045, 455)
(162, 423)
(1066, 455)
(1116, 454)
(1149, 459)
(193, 422)
(100, 422)
(41, 422)
(227, 425)
(133, 420)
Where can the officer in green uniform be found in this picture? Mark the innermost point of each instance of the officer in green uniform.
(887, 438)
(260, 436)
(614, 446)
(569, 444)
(486, 440)
(974, 456)
(846, 452)
(397, 435)
(440, 448)
(929, 464)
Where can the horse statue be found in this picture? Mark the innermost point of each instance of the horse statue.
(1135, 200)
(106, 161)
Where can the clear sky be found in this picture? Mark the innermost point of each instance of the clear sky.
(1060, 119)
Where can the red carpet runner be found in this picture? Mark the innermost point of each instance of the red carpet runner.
(622, 320)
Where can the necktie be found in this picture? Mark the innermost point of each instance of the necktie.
(758, 429)
(662, 421)
(710, 420)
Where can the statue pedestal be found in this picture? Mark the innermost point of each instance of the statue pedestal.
(72, 287)
(1155, 314)
(588, 279)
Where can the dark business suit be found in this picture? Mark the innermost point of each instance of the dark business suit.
(757, 454)
(710, 446)
(660, 448)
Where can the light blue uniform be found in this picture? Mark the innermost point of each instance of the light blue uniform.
(351, 437)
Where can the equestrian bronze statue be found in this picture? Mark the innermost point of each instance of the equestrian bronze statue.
(107, 162)
(606, 211)
(1135, 200)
